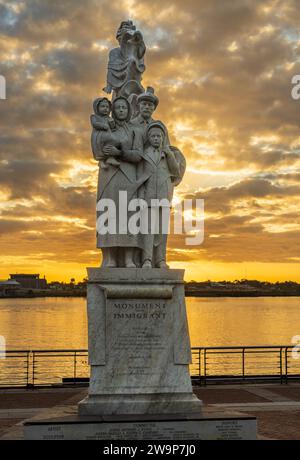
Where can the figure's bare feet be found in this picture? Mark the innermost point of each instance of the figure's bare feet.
(109, 259)
(129, 252)
(162, 264)
(110, 265)
(130, 264)
(147, 264)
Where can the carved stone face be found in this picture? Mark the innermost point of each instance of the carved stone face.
(156, 137)
(146, 109)
(121, 110)
(103, 108)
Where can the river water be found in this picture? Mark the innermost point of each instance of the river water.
(48, 323)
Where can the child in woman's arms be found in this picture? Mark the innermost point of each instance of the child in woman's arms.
(101, 121)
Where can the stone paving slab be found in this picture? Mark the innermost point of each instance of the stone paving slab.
(227, 395)
(278, 425)
(268, 394)
(288, 392)
(8, 427)
(271, 406)
(18, 405)
(18, 413)
(34, 398)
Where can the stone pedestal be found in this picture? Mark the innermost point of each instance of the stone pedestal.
(139, 348)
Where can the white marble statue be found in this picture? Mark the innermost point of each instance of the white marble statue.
(134, 153)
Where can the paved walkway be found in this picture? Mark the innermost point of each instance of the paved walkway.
(19, 405)
(277, 407)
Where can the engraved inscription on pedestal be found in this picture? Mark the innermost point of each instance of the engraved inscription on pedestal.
(222, 429)
(138, 339)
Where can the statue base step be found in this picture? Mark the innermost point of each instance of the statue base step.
(65, 424)
(140, 404)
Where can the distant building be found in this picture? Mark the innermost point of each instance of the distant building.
(8, 286)
(30, 281)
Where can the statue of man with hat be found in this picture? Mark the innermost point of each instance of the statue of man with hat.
(147, 103)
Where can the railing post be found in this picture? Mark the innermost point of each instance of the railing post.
(199, 361)
(27, 367)
(204, 366)
(74, 374)
(243, 363)
(286, 365)
(33, 368)
(280, 365)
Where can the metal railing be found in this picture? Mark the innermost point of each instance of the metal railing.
(35, 368)
(244, 364)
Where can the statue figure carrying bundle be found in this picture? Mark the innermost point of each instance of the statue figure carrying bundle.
(126, 63)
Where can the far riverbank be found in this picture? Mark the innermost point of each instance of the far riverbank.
(34, 293)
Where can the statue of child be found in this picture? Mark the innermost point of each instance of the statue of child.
(101, 121)
(164, 166)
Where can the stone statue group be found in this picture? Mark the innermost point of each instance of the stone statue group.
(134, 155)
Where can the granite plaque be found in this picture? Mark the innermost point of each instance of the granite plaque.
(202, 429)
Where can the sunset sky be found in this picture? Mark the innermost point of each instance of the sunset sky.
(222, 71)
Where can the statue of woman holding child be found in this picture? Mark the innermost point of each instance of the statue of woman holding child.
(118, 149)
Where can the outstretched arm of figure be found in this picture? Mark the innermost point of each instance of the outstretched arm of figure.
(132, 156)
(172, 162)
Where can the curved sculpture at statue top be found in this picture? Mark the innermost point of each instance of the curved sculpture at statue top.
(126, 63)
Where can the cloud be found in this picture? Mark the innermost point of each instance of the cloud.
(222, 71)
